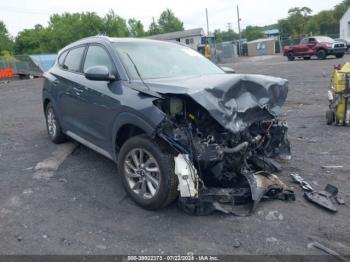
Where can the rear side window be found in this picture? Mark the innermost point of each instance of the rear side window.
(73, 59)
(97, 56)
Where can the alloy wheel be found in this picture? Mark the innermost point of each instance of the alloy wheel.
(51, 122)
(142, 173)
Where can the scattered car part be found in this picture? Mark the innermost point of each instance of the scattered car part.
(265, 185)
(304, 184)
(333, 191)
(329, 251)
(340, 200)
(224, 200)
(262, 185)
(322, 199)
(332, 167)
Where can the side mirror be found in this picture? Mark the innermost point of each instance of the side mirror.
(228, 70)
(99, 73)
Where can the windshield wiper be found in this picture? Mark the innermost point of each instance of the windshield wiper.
(137, 70)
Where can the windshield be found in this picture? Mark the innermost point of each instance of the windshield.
(324, 39)
(163, 60)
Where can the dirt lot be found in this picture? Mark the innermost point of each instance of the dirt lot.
(81, 208)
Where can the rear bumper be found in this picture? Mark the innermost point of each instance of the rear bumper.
(336, 51)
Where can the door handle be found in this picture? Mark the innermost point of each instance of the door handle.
(56, 82)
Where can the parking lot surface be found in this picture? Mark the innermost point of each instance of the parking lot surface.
(68, 199)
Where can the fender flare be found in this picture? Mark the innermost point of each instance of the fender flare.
(127, 118)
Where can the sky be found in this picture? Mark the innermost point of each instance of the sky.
(21, 14)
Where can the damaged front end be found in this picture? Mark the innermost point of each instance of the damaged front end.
(226, 141)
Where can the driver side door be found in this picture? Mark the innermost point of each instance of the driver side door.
(312, 42)
(302, 47)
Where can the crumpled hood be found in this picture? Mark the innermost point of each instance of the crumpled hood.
(235, 101)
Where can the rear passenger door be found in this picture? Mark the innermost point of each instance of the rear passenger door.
(71, 90)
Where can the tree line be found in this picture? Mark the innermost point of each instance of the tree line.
(297, 24)
(65, 28)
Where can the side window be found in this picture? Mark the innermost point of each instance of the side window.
(305, 41)
(312, 40)
(62, 57)
(97, 56)
(73, 59)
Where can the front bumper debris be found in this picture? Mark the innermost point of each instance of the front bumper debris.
(240, 200)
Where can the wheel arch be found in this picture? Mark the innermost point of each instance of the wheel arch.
(128, 125)
(321, 49)
(45, 103)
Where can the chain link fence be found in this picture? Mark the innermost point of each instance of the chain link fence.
(25, 65)
(225, 52)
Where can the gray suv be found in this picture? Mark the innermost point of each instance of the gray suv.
(175, 123)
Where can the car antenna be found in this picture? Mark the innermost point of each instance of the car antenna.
(137, 71)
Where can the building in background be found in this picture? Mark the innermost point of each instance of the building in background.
(192, 37)
(264, 46)
(273, 33)
(345, 26)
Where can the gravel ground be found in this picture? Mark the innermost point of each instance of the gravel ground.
(81, 208)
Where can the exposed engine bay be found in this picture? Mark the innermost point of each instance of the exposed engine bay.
(219, 169)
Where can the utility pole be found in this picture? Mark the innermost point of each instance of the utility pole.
(206, 14)
(229, 26)
(239, 31)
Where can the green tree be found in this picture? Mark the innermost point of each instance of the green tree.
(312, 26)
(136, 28)
(218, 36)
(327, 23)
(285, 28)
(67, 28)
(252, 33)
(32, 41)
(340, 9)
(153, 29)
(168, 22)
(114, 25)
(298, 18)
(6, 43)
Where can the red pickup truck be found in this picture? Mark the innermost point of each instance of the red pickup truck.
(320, 46)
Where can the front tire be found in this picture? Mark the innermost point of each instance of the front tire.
(147, 171)
(53, 126)
(291, 56)
(339, 55)
(322, 54)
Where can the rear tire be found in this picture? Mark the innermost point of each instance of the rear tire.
(291, 56)
(339, 55)
(150, 189)
(330, 117)
(322, 54)
(53, 126)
